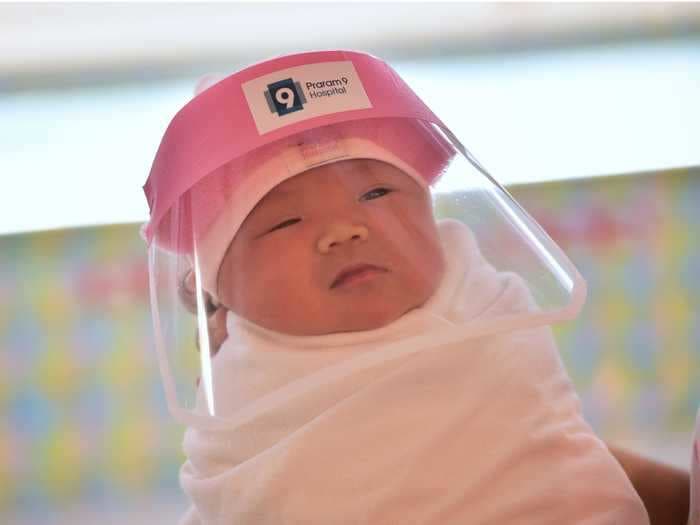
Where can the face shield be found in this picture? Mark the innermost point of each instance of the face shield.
(313, 205)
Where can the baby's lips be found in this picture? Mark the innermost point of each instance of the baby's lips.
(354, 270)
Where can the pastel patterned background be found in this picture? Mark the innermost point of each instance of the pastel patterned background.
(84, 421)
(635, 351)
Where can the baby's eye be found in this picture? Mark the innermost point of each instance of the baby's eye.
(375, 194)
(284, 224)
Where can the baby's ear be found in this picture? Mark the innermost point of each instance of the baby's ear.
(188, 281)
(207, 81)
(185, 291)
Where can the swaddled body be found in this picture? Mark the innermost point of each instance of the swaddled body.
(392, 425)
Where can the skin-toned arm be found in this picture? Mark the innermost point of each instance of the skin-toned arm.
(664, 489)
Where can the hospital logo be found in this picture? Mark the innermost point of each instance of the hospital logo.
(285, 96)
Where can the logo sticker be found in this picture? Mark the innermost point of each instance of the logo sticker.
(302, 92)
(285, 97)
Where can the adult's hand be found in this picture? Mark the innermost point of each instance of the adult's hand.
(664, 489)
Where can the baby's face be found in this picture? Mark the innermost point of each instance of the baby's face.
(342, 247)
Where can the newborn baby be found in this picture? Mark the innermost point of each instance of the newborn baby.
(357, 390)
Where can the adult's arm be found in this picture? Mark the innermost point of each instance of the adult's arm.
(664, 489)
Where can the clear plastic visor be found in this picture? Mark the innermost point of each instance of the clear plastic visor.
(277, 273)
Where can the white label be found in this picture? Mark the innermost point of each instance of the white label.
(298, 93)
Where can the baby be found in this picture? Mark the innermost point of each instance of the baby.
(376, 366)
(329, 265)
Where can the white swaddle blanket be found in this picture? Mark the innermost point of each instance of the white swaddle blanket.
(477, 431)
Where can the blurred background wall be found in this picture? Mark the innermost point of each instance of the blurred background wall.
(590, 114)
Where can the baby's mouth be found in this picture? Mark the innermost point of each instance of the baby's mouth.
(356, 273)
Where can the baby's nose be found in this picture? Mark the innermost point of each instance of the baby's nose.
(340, 233)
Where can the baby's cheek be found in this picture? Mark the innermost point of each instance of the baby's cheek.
(283, 278)
(424, 271)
